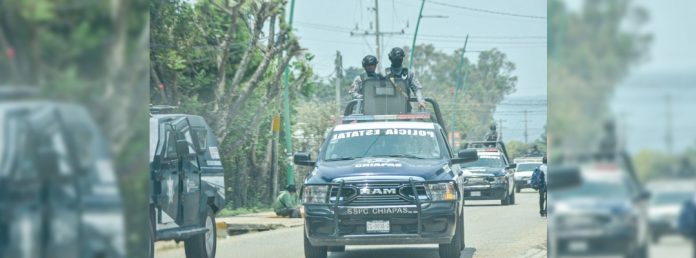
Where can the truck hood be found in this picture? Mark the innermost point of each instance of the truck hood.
(380, 169)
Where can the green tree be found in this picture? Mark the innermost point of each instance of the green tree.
(489, 80)
(590, 51)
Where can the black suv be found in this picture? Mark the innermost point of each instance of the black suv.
(492, 176)
(384, 182)
(59, 196)
(187, 180)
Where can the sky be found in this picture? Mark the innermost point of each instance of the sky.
(640, 101)
(324, 27)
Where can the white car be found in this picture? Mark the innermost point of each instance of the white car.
(664, 210)
(523, 174)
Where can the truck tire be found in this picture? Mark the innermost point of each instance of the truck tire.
(512, 199)
(151, 233)
(203, 245)
(454, 248)
(505, 200)
(460, 227)
(518, 189)
(311, 251)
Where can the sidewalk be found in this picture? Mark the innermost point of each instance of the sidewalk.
(242, 224)
(254, 222)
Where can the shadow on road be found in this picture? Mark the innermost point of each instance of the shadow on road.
(405, 252)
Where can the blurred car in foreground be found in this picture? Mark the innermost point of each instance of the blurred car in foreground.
(664, 209)
(59, 195)
(605, 215)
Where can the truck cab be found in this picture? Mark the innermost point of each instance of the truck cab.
(187, 182)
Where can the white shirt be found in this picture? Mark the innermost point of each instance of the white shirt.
(543, 171)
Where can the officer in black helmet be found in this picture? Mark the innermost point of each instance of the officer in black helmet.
(396, 70)
(492, 135)
(369, 63)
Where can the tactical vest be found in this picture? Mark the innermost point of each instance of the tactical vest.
(384, 96)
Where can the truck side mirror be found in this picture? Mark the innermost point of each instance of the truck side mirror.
(303, 159)
(464, 156)
(563, 177)
(512, 166)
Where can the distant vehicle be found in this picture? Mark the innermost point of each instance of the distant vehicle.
(491, 177)
(664, 210)
(523, 172)
(605, 215)
(385, 180)
(187, 180)
(59, 196)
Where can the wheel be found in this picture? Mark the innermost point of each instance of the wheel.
(454, 248)
(203, 245)
(642, 252)
(655, 238)
(311, 251)
(460, 227)
(337, 248)
(151, 233)
(505, 200)
(512, 198)
(518, 189)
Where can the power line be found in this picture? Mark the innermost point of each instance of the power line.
(488, 11)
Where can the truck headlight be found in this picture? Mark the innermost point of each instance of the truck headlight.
(315, 194)
(498, 180)
(441, 191)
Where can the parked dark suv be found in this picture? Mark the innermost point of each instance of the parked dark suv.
(187, 180)
(59, 196)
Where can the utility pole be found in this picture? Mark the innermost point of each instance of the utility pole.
(668, 126)
(525, 128)
(378, 34)
(379, 48)
(500, 132)
(459, 83)
(286, 109)
(339, 79)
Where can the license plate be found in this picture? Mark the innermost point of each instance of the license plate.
(475, 193)
(577, 246)
(377, 226)
(529, 182)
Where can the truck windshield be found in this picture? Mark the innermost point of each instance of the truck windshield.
(407, 143)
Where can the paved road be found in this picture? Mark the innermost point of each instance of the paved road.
(491, 231)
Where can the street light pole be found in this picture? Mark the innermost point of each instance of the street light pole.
(413, 44)
(459, 82)
(286, 108)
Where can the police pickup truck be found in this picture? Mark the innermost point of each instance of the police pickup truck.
(384, 180)
(187, 182)
(491, 177)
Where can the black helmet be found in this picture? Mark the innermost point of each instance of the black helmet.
(291, 188)
(369, 60)
(492, 127)
(396, 54)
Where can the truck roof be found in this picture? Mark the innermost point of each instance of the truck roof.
(385, 125)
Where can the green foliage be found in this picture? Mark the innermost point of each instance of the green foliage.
(488, 81)
(589, 52)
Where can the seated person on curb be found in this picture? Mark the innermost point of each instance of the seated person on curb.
(287, 205)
